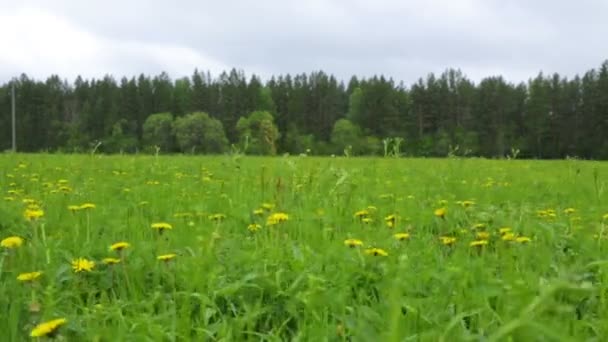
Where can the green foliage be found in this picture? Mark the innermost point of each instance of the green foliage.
(199, 133)
(259, 132)
(158, 131)
(346, 136)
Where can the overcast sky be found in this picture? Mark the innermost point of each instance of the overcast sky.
(402, 39)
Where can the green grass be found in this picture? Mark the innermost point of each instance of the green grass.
(297, 280)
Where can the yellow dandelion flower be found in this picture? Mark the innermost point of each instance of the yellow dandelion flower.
(119, 246)
(49, 328)
(217, 217)
(86, 206)
(504, 230)
(508, 236)
(161, 226)
(367, 220)
(74, 207)
(376, 252)
(258, 212)
(111, 261)
(483, 235)
(478, 243)
(11, 242)
(353, 243)
(479, 226)
(33, 214)
(523, 239)
(391, 218)
(402, 236)
(30, 276)
(569, 211)
(361, 214)
(447, 240)
(82, 264)
(267, 206)
(276, 218)
(166, 257)
(441, 212)
(254, 227)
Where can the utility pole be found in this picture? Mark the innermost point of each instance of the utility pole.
(13, 116)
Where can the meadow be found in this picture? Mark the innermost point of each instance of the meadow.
(232, 248)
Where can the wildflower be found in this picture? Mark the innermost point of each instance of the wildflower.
(402, 236)
(11, 242)
(508, 236)
(569, 211)
(82, 264)
(119, 246)
(33, 214)
(254, 227)
(441, 212)
(73, 207)
(483, 235)
(391, 220)
(111, 261)
(217, 217)
(447, 240)
(166, 257)
(362, 214)
(353, 243)
(258, 212)
(267, 206)
(504, 230)
(367, 220)
(465, 204)
(479, 226)
(523, 239)
(276, 218)
(30, 276)
(87, 206)
(48, 328)
(376, 252)
(478, 243)
(161, 226)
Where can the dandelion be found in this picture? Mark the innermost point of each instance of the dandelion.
(73, 208)
(254, 227)
(569, 211)
(119, 246)
(30, 276)
(33, 214)
(276, 218)
(166, 257)
(161, 226)
(86, 206)
(483, 235)
(508, 236)
(478, 243)
(11, 242)
(82, 264)
(447, 240)
(523, 239)
(402, 236)
(504, 230)
(376, 252)
(111, 261)
(391, 220)
(217, 217)
(361, 214)
(267, 206)
(367, 220)
(49, 328)
(353, 243)
(441, 212)
(258, 212)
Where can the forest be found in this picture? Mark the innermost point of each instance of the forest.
(547, 117)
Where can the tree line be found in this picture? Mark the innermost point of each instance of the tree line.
(549, 116)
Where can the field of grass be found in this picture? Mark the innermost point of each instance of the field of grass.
(478, 249)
